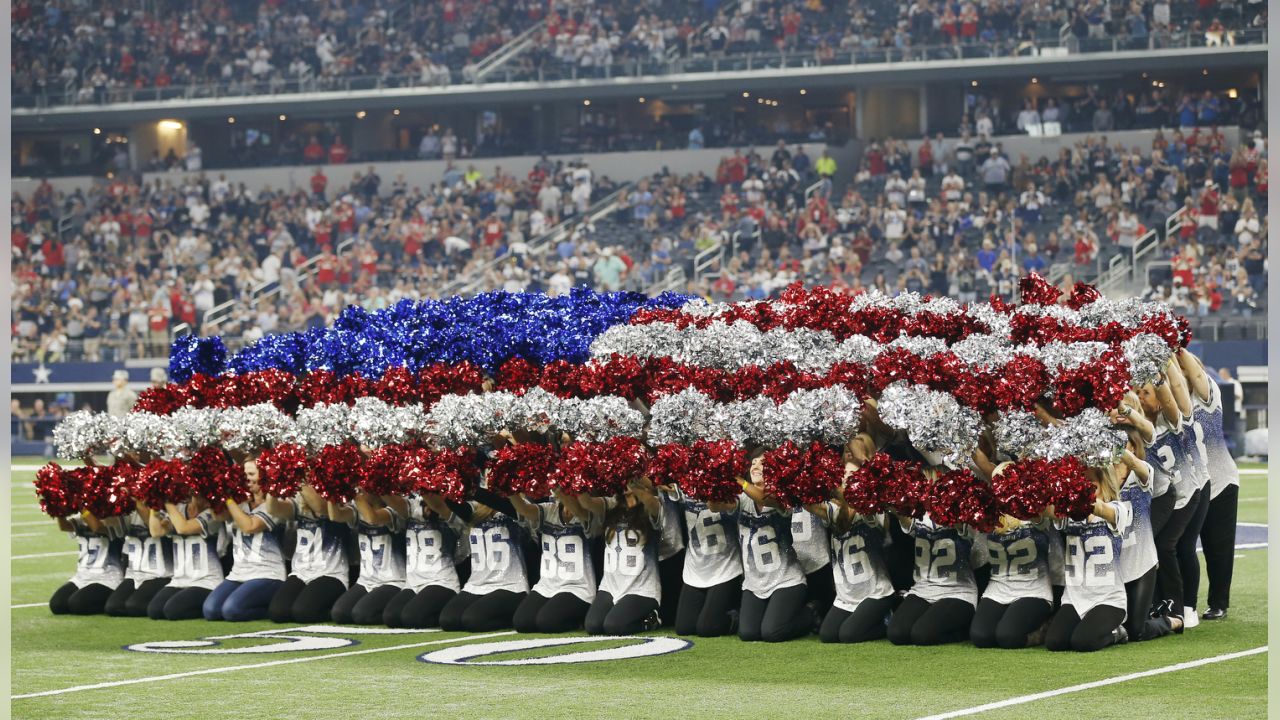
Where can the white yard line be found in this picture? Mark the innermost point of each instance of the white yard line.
(44, 555)
(1251, 546)
(253, 666)
(1023, 699)
(29, 523)
(28, 605)
(37, 534)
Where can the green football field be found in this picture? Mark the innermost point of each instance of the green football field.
(66, 667)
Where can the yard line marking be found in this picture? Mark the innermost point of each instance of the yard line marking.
(1252, 524)
(1250, 546)
(1095, 684)
(17, 535)
(44, 555)
(271, 663)
(28, 605)
(29, 523)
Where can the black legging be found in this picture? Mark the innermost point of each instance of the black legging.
(1007, 626)
(1188, 558)
(1161, 510)
(782, 617)
(562, 612)
(128, 601)
(1096, 630)
(920, 622)
(822, 588)
(1169, 571)
(1218, 536)
(1139, 593)
(671, 573)
(71, 600)
(305, 602)
(624, 617)
(706, 612)
(417, 610)
(359, 606)
(868, 622)
(480, 613)
(172, 603)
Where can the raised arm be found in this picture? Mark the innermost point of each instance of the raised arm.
(573, 505)
(248, 524)
(1178, 384)
(1193, 370)
(1168, 405)
(316, 504)
(644, 492)
(1105, 510)
(340, 513)
(369, 513)
(1138, 466)
(438, 506)
(524, 508)
(182, 524)
(282, 509)
(158, 526)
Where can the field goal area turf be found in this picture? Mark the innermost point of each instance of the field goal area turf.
(100, 667)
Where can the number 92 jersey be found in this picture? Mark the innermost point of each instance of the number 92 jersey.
(944, 562)
(1020, 563)
(1093, 549)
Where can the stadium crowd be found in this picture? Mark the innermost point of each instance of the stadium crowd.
(96, 52)
(953, 215)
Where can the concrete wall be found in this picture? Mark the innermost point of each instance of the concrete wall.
(621, 166)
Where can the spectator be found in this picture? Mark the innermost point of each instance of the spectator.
(121, 399)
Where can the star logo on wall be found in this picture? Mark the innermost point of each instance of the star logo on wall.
(42, 374)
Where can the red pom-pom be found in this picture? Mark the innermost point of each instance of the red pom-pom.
(1071, 492)
(104, 493)
(337, 471)
(862, 489)
(216, 477)
(802, 475)
(1101, 384)
(161, 400)
(283, 469)
(905, 489)
(450, 474)
(163, 481)
(1083, 294)
(1024, 488)
(316, 388)
(671, 464)
(517, 375)
(708, 471)
(1035, 290)
(382, 474)
(58, 491)
(528, 469)
(397, 386)
(893, 365)
(624, 376)
(960, 498)
(601, 469)
(262, 386)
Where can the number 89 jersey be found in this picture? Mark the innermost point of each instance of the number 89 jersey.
(1019, 561)
(1093, 561)
(566, 559)
(769, 562)
(944, 562)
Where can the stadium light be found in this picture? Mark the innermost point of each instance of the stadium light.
(396, 111)
(1204, 71)
(746, 94)
(283, 117)
(169, 125)
(361, 115)
(1233, 93)
(97, 131)
(641, 99)
(231, 121)
(1035, 81)
(973, 83)
(586, 102)
(803, 91)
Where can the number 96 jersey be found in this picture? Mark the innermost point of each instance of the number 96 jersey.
(1019, 561)
(944, 562)
(1093, 561)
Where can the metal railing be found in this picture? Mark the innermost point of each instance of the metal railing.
(673, 280)
(647, 67)
(508, 52)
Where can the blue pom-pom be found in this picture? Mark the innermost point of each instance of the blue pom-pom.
(189, 355)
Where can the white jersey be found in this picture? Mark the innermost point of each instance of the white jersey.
(566, 564)
(497, 559)
(768, 560)
(809, 538)
(195, 557)
(1192, 436)
(148, 558)
(672, 540)
(857, 558)
(712, 553)
(381, 552)
(99, 561)
(1020, 563)
(945, 559)
(1094, 549)
(1138, 549)
(1222, 468)
(431, 549)
(259, 556)
(631, 558)
(1166, 455)
(321, 546)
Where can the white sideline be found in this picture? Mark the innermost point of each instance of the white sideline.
(1023, 699)
(37, 556)
(271, 663)
(28, 605)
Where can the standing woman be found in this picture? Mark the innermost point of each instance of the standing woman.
(566, 585)
(1189, 372)
(318, 573)
(379, 525)
(99, 568)
(257, 570)
(630, 589)
(150, 565)
(431, 576)
(499, 580)
(712, 574)
(940, 606)
(1094, 601)
(197, 534)
(1218, 535)
(864, 595)
(772, 607)
(1169, 517)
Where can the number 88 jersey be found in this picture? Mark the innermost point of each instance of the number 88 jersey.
(1093, 561)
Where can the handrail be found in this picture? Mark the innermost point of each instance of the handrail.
(507, 52)
(673, 52)
(674, 278)
(1174, 222)
(705, 259)
(809, 191)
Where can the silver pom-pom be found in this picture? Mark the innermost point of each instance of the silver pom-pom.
(535, 411)
(253, 428)
(1058, 312)
(1059, 355)
(457, 420)
(920, 346)
(941, 306)
(316, 427)
(600, 418)
(682, 417)
(858, 349)
(756, 421)
(196, 428)
(1147, 355)
(872, 298)
(144, 434)
(807, 349)
(1090, 436)
(933, 420)
(997, 322)
(727, 346)
(1017, 432)
(83, 434)
(641, 341)
(988, 351)
(908, 303)
(830, 415)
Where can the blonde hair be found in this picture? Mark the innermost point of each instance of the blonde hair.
(1108, 484)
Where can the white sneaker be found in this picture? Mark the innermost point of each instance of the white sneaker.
(1189, 617)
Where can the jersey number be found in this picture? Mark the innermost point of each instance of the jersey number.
(1016, 559)
(936, 559)
(1089, 561)
(487, 551)
(625, 555)
(562, 558)
(707, 537)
